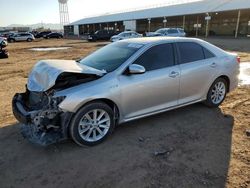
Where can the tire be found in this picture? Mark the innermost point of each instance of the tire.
(217, 93)
(29, 39)
(12, 40)
(84, 130)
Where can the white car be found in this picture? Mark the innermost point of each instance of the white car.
(170, 32)
(3, 40)
(125, 35)
(21, 37)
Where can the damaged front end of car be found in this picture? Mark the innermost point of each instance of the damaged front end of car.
(42, 121)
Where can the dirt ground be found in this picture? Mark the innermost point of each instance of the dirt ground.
(201, 147)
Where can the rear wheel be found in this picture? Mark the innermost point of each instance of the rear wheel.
(92, 124)
(217, 93)
(12, 40)
(29, 39)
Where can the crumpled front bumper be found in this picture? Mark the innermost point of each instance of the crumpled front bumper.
(19, 110)
(31, 131)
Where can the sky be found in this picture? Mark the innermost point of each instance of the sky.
(47, 11)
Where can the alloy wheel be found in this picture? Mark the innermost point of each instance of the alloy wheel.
(218, 92)
(94, 125)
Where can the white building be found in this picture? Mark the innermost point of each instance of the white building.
(211, 17)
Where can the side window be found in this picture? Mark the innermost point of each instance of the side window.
(172, 31)
(190, 51)
(157, 57)
(207, 53)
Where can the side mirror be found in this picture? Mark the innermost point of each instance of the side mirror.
(136, 69)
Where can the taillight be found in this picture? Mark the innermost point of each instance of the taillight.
(238, 59)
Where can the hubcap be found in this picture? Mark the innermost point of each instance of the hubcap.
(94, 125)
(218, 92)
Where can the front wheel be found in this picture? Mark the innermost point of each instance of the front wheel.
(217, 93)
(92, 124)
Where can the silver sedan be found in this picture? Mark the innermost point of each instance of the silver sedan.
(120, 82)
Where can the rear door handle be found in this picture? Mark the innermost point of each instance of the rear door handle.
(213, 65)
(173, 74)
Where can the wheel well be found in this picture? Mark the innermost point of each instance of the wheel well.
(111, 104)
(227, 80)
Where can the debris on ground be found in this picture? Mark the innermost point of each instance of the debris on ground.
(163, 152)
(248, 132)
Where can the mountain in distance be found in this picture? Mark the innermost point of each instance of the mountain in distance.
(52, 26)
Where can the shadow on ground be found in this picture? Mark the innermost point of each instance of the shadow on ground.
(196, 141)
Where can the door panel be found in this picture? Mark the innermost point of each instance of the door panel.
(18, 38)
(197, 70)
(195, 79)
(152, 91)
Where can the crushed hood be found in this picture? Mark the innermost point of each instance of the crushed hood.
(44, 74)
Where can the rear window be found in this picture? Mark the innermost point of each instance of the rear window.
(189, 52)
(208, 54)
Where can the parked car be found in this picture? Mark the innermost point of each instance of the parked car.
(101, 35)
(2, 40)
(54, 35)
(7, 35)
(171, 32)
(42, 34)
(3, 52)
(120, 82)
(125, 35)
(21, 37)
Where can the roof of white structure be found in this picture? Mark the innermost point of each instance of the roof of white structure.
(202, 6)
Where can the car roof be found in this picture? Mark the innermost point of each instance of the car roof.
(167, 28)
(158, 40)
(154, 40)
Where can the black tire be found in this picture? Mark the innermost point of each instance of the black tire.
(12, 40)
(29, 40)
(74, 125)
(209, 102)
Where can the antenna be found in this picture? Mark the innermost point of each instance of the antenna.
(64, 13)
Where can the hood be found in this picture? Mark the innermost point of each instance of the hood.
(45, 73)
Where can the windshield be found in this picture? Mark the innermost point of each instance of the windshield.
(121, 34)
(111, 56)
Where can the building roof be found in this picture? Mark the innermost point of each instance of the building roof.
(201, 6)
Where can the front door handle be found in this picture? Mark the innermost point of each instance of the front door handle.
(213, 65)
(174, 74)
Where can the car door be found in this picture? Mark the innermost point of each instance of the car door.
(23, 37)
(154, 90)
(18, 37)
(198, 68)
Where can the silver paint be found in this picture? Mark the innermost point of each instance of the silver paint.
(141, 95)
